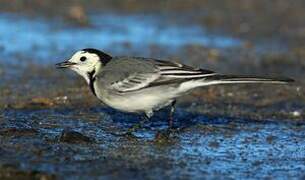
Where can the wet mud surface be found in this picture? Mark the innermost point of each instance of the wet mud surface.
(52, 127)
(60, 142)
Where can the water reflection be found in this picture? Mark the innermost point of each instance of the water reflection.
(41, 39)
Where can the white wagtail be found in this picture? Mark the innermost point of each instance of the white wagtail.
(145, 85)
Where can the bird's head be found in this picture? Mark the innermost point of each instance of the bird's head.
(86, 62)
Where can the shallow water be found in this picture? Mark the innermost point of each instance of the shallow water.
(210, 147)
(43, 40)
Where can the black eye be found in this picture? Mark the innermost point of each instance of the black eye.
(83, 58)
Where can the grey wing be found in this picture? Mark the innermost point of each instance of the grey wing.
(164, 73)
(124, 74)
(180, 71)
(135, 82)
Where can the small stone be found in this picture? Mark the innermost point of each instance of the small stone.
(296, 113)
(74, 137)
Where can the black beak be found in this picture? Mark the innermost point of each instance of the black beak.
(65, 64)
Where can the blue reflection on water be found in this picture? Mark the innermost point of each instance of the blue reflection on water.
(41, 39)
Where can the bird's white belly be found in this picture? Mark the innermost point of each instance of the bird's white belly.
(141, 102)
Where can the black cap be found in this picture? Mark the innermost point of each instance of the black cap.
(104, 58)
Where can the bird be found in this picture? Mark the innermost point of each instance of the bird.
(145, 85)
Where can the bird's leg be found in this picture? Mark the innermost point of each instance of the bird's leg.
(135, 127)
(171, 114)
(166, 134)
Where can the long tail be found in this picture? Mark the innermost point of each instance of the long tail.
(214, 79)
(230, 79)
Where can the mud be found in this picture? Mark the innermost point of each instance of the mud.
(52, 127)
(210, 147)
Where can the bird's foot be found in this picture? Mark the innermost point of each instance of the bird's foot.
(167, 133)
(130, 131)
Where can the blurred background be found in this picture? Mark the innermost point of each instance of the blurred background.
(244, 36)
(254, 37)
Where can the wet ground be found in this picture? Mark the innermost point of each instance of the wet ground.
(51, 126)
(46, 142)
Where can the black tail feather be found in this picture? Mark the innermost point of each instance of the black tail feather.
(248, 79)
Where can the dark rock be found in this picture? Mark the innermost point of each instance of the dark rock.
(74, 137)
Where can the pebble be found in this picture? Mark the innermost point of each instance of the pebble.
(74, 137)
(296, 113)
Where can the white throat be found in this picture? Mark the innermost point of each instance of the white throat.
(88, 74)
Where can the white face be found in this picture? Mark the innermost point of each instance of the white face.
(83, 63)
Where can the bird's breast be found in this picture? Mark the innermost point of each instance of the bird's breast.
(140, 101)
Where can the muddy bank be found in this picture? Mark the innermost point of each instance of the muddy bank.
(205, 147)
